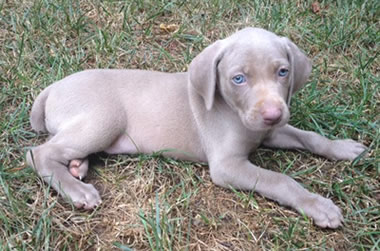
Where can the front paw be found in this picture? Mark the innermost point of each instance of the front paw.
(345, 149)
(323, 211)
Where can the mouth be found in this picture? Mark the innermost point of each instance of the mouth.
(255, 122)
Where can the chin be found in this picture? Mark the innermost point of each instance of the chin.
(257, 125)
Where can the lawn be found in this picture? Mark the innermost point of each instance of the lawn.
(156, 203)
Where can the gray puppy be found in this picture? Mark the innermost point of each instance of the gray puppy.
(234, 98)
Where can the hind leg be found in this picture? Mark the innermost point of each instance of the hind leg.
(52, 159)
(50, 163)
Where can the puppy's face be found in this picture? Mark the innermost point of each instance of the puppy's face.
(255, 71)
(254, 80)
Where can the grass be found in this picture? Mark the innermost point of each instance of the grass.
(155, 203)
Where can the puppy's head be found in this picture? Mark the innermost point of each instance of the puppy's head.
(255, 72)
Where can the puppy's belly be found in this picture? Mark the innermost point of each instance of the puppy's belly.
(123, 145)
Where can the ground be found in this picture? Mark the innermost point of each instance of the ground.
(155, 203)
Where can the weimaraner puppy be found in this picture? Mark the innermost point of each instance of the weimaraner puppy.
(234, 98)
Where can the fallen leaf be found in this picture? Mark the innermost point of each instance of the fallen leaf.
(169, 28)
(315, 7)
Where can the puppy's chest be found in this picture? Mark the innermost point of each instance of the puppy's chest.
(243, 141)
(255, 140)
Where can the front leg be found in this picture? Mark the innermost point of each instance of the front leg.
(239, 173)
(290, 137)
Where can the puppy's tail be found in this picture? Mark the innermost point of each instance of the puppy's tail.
(37, 115)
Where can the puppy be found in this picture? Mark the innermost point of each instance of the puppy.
(234, 98)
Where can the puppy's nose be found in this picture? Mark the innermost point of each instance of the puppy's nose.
(271, 115)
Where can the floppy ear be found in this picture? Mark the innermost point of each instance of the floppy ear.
(203, 72)
(300, 67)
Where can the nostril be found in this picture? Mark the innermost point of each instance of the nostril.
(271, 116)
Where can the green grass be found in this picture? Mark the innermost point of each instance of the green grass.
(162, 204)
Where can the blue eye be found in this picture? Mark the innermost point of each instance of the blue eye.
(283, 72)
(239, 79)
